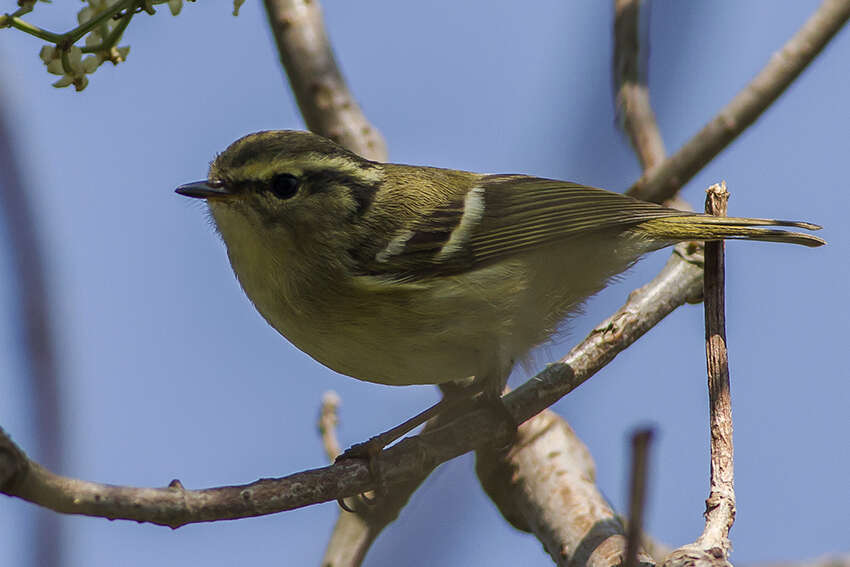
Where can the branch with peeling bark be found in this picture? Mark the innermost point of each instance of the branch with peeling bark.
(545, 483)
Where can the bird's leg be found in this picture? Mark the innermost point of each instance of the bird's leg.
(371, 448)
(455, 398)
(492, 389)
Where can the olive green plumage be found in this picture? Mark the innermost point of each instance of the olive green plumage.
(405, 274)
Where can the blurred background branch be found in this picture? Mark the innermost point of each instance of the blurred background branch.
(35, 324)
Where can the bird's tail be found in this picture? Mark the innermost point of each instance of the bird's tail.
(706, 227)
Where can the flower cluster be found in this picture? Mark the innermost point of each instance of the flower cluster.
(99, 43)
(101, 23)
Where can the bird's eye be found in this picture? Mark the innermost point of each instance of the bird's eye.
(284, 186)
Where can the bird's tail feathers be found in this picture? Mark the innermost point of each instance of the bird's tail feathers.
(705, 227)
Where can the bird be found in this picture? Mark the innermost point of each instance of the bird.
(403, 274)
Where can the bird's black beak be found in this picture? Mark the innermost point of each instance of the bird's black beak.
(204, 189)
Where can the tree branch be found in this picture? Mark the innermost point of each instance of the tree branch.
(630, 84)
(663, 181)
(640, 442)
(354, 533)
(713, 546)
(548, 479)
(328, 107)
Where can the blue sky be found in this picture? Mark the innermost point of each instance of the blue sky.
(167, 371)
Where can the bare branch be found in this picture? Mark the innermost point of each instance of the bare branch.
(328, 420)
(641, 441)
(545, 483)
(713, 546)
(720, 507)
(630, 83)
(328, 107)
(664, 180)
(351, 539)
(354, 533)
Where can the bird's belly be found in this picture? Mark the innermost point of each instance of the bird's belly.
(389, 357)
(434, 330)
(406, 333)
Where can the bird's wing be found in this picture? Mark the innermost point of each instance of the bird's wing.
(501, 216)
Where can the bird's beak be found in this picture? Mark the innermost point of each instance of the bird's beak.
(204, 190)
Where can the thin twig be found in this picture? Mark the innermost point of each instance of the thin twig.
(327, 105)
(353, 534)
(713, 546)
(328, 420)
(631, 51)
(664, 180)
(641, 441)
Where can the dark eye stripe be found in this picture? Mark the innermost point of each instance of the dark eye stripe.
(362, 192)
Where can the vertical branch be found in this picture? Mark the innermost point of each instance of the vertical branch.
(720, 506)
(328, 107)
(631, 52)
(354, 533)
(712, 548)
(328, 420)
(641, 441)
(34, 324)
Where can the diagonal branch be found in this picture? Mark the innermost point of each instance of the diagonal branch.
(326, 104)
(664, 180)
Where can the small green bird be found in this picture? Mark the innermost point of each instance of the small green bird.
(404, 274)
